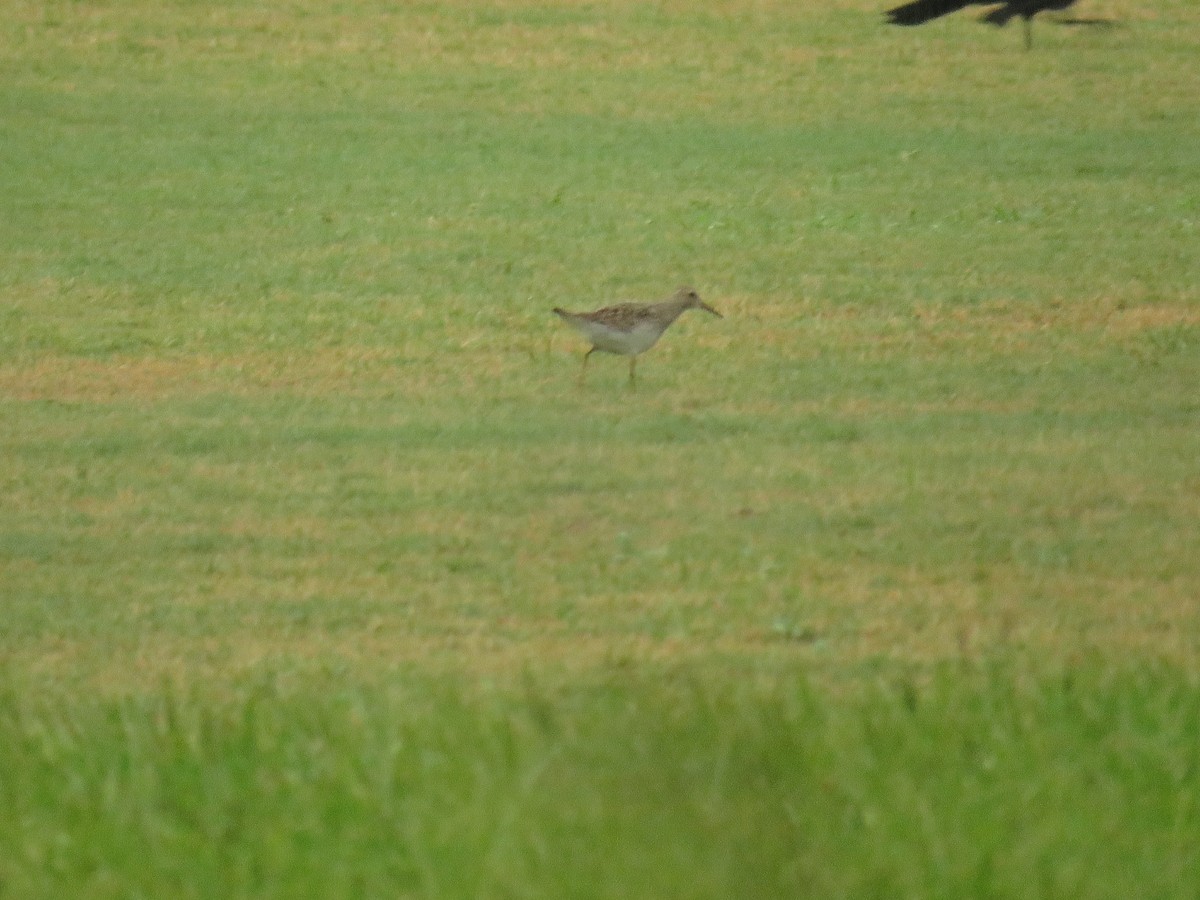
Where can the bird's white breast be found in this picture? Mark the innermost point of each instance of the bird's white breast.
(628, 343)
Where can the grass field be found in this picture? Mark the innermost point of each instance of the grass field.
(321, 576)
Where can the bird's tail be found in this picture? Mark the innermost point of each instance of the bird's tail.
(559, 311)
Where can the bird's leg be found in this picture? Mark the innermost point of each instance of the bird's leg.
(1027, 21)
(632, 364)
(583, 371)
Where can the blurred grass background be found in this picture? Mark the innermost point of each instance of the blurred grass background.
(284, 415)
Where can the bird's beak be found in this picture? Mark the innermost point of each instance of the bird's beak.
(707, 308)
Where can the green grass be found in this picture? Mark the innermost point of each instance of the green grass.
(282, 405)
(978, 783)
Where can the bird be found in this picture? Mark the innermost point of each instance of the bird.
(630, 329)
(918, 12)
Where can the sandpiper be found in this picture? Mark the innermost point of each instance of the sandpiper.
(630, 329)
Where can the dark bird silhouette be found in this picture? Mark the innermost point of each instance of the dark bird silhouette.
(918, 12)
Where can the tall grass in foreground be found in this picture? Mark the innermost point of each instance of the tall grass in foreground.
(971, 783)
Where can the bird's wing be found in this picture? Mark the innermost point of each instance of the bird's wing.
(621, 315)
(919, 11)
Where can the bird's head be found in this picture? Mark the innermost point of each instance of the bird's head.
(691, 300)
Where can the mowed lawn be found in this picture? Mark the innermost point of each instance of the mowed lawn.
(321, 575)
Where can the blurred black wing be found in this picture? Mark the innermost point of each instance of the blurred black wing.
(919, 11)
